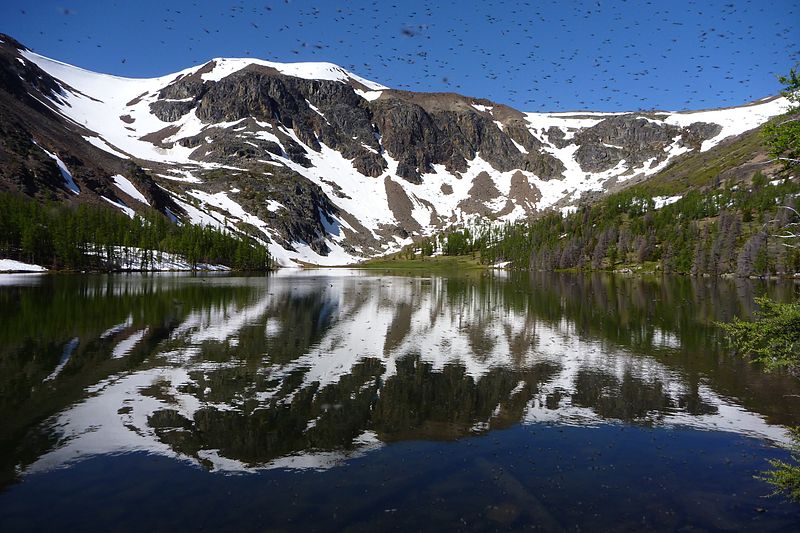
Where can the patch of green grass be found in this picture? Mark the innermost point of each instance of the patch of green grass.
(700, 169)
(458, 262)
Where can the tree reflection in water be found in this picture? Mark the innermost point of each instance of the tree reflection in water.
(306, 370)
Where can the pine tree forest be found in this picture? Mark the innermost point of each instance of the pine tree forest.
(730, 229)
(86, 237)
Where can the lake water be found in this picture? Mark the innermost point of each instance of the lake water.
(330, 400)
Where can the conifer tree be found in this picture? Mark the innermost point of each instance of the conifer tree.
(783, 136)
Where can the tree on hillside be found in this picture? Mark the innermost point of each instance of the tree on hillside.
(783, 136)
(789, 223)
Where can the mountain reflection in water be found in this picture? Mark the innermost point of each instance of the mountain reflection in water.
(305, 370)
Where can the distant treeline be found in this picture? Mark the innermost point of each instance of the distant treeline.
(728, 229)
(64, 237)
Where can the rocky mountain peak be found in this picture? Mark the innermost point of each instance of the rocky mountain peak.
(320, 164)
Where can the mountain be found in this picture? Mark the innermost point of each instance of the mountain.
(320, 164)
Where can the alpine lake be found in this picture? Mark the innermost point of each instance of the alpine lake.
(329, 400)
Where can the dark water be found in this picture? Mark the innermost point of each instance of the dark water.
(347, 400)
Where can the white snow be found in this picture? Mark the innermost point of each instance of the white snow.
(661, 201)
(231, 211)
(483, 108)
(328, 165)
(521, 148)
(199, 217)
(97, 101)
(569, 123)
(10, 265)
(125, 185)
(316, 110)
(119, 205)
(100, 143)
(134, 259)
(268, 136)
(368, 95)
(185, 176)
(734, 121)
(68, 179)
(312, 71)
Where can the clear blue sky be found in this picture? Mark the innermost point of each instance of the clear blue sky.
(536, 56)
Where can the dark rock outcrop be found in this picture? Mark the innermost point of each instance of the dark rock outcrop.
(304, 204)
(420, 131)
(171, 110)
(545, 166)
(523, 193)
(557, 137)
(318, 111)
(517, 129)
(697, 132)
(483, 190)
(635, 139)
(400, 205)
(185, 87)
(596, 157)
(410, 135)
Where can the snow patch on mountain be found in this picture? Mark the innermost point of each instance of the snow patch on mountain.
(100, 143)
(69, 181)
(369, 95)
(118, 111)
(125, 185)
(662, 201)
(224, 67)
(362, 196)
(121, 206)
(734, 120)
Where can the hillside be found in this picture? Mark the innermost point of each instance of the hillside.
(316, 163)
(719, 212)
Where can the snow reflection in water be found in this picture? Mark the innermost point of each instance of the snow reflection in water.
(310, 369)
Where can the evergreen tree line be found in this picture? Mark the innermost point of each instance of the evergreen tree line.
(728, 229)
(88, 237)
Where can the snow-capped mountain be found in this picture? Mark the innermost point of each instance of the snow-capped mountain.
(324, 166)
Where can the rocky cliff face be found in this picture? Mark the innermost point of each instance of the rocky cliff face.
(322, 165)
(637, 140)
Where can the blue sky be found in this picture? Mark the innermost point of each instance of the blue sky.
(536, 55)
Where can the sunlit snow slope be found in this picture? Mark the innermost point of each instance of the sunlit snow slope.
(228, 161)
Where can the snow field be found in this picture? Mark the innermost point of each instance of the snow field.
(97, 100)
(11, 265)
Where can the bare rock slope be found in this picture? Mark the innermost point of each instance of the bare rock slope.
(322, 165)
